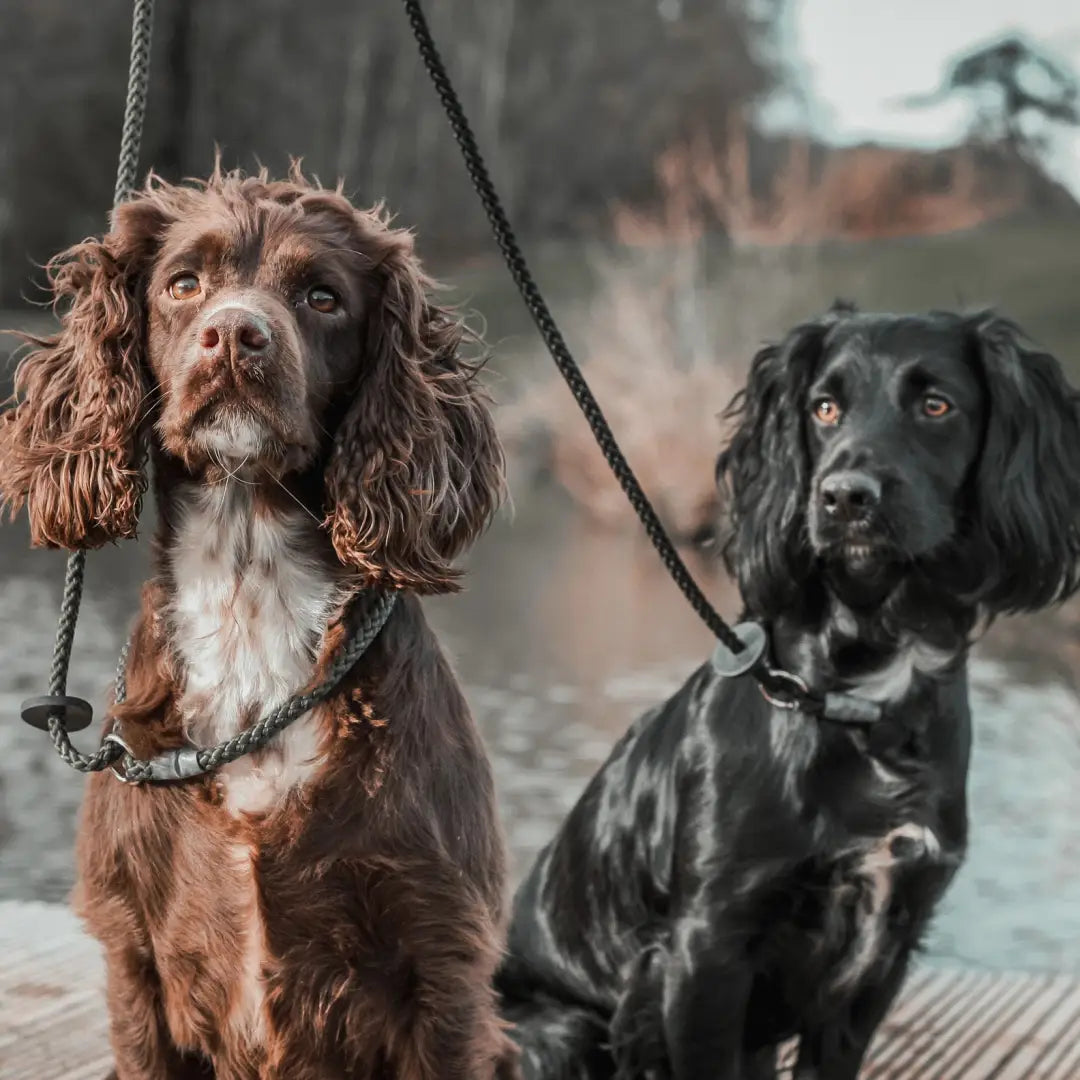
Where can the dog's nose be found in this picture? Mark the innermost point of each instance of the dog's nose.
(850, 495)
(236, 332)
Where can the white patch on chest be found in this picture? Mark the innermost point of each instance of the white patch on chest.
(251, 604)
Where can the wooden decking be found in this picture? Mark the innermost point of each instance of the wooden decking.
(52, 1021)
(948, 1025)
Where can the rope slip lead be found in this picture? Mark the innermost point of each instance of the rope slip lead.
(740, 650)
(186, 762)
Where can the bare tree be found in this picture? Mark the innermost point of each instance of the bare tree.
(1013, 81)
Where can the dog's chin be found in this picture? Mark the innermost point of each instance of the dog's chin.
(862, 573)
(242, 443)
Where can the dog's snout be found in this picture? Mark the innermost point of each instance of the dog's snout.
(850, 495)
(236, 332)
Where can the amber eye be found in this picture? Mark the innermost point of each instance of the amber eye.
(935, 407)
(184, 287)
(827, 411)
(322, 299)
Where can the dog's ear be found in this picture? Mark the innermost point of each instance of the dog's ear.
(765, 470)
(416, 470)
(1026, 505)
(70, 449)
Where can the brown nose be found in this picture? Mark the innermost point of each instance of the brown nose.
(236, 333)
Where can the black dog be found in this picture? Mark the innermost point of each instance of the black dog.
(738, 874)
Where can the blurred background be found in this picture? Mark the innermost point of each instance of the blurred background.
(689, 178)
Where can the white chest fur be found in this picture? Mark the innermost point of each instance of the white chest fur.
(250, 606)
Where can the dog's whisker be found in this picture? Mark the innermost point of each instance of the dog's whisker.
(155, 391)
(295, 499)
(231, 474)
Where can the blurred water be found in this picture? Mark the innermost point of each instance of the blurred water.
(562, 636)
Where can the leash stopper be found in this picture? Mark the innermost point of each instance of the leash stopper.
(728, 664)
(75, 714)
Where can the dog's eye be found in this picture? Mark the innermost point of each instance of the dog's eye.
(935, 407)
(827, 411)
(322, 299)
(184, 287)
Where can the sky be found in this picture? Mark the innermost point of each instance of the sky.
(859, 57)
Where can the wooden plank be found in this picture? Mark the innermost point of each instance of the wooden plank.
(1062, 1061)
(973, 1045)
(52, 1017)
(947, 1025)
(982, 1026)
(1056, 1027)
(950, 1004)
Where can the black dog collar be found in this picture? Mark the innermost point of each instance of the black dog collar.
(784, 689)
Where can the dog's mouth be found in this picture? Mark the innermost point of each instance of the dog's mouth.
(237, 433)
(863, 570)
(219, 406)
(865, 556)
(860, 552)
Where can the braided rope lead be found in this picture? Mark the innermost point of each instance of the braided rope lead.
(189, 762)
(549, 331)
(126, 175)
(127, 170)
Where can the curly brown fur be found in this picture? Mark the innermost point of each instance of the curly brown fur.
(69, 447)
(413, 457)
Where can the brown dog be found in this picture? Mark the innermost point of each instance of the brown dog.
(330, 906)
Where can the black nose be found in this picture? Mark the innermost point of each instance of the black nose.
(849, 495)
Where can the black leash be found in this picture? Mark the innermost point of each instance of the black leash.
(740, 650)
(58, 712)
(549, 331)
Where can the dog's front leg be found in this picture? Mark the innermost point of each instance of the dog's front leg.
(638, 1040)
(706, 992)
(637, 1036)
(141, 1045)
(835, 1051)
